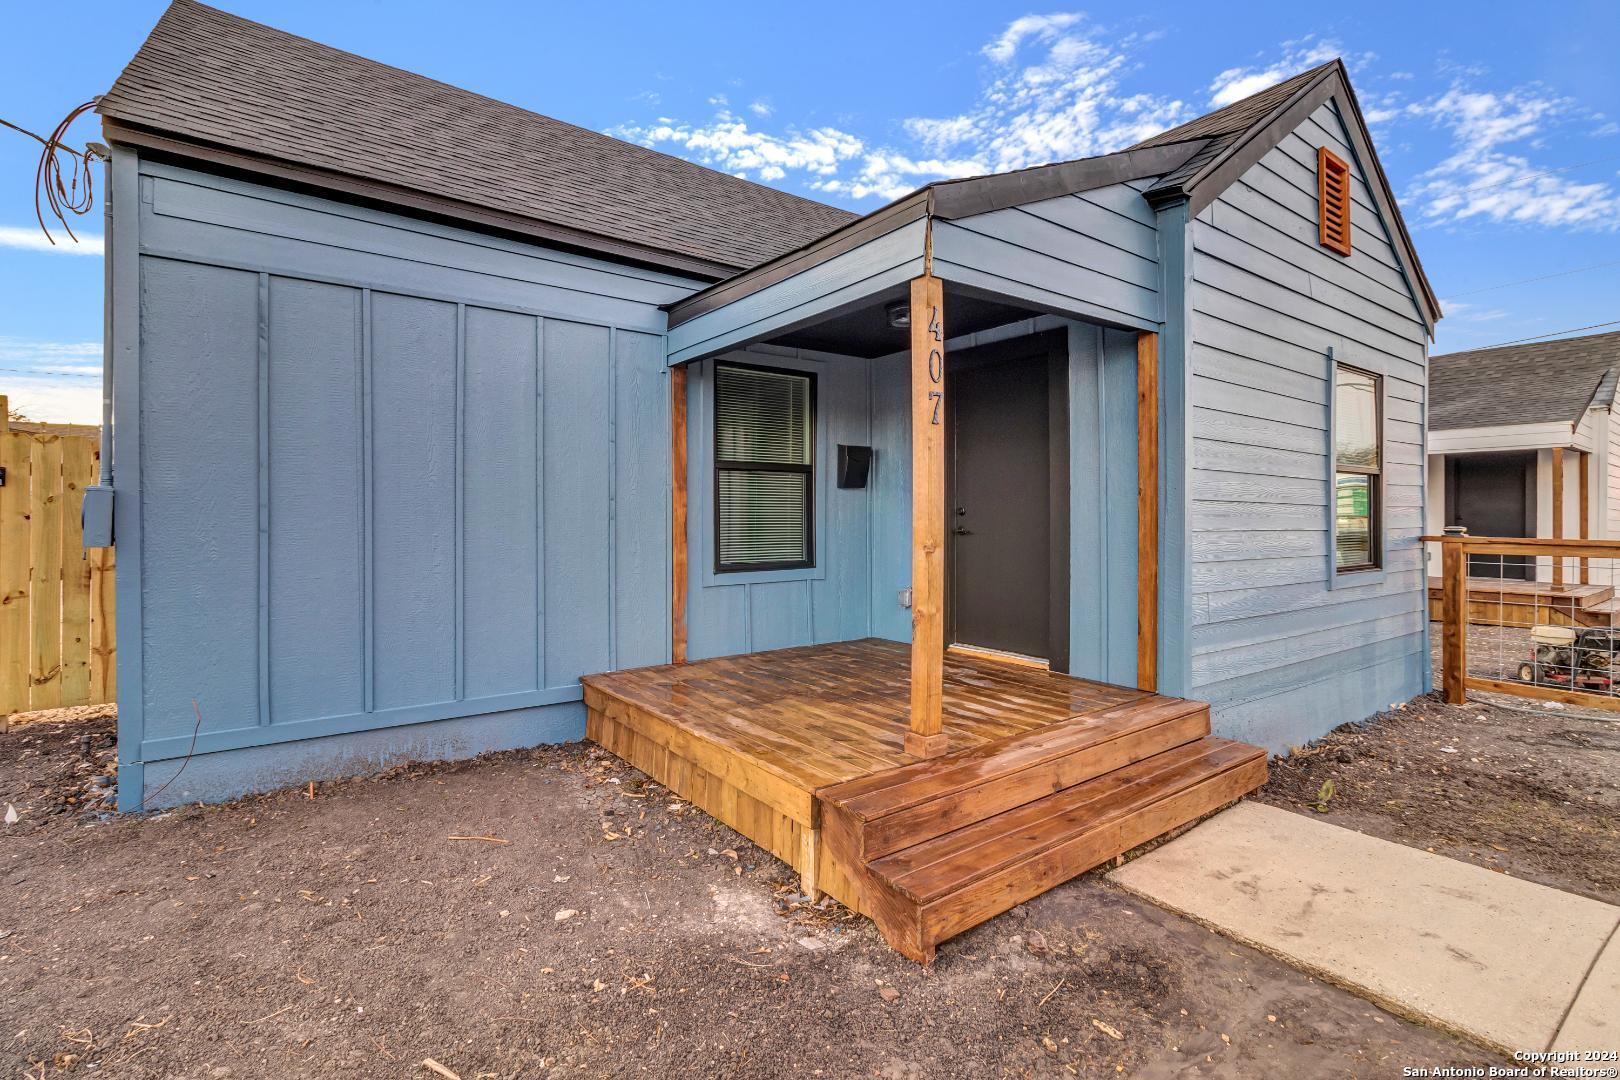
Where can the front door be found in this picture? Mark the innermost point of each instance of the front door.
(1000, 495)
(1489, 495)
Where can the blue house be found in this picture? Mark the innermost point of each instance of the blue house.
(1039, 503)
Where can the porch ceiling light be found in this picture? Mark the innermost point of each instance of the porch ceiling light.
(899, 314)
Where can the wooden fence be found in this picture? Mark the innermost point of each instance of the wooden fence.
(1528, 616)
(56, 599)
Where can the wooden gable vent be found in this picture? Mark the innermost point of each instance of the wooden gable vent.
(1333, 200)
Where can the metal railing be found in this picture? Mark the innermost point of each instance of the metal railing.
(1532, 617)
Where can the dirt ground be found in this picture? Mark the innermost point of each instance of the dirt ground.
(1520, 786)
(592, 926)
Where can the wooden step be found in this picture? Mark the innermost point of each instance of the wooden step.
(924, 894)
(875, 815)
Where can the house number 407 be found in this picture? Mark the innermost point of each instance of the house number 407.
(936, 361)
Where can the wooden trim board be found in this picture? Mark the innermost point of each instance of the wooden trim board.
(1147, 511)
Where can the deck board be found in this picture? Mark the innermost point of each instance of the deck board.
(824, 714)
(803, 751)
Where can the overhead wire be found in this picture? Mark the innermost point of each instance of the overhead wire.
(1549, 334)
(59, 188)
(1543, 277)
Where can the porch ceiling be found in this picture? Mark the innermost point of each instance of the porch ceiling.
(865, 331)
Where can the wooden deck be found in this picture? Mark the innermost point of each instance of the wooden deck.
(1045, 775)
(1512, 602)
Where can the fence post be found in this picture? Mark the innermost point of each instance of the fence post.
(1454, 621)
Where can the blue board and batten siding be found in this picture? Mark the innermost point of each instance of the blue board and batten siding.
(391, 487)
(1282, 646)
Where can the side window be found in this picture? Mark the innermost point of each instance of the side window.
(1358, 463)
(764, 468)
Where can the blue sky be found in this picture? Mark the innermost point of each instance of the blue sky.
(1498, 125)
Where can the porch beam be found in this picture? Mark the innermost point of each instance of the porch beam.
(1147, 511)
(926, 738)
(677, 515)
(1558, 510)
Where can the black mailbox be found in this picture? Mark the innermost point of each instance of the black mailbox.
(854, 463)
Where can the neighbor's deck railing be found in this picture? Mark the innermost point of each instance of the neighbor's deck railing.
(1534, 617)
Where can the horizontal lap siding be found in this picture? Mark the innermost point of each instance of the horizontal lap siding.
(1281, 655)
(390, 473)
(1092, 255)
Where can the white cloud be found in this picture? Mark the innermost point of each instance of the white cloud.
(1233, 84)
(728, 143)
(1040, 27)
(1056, 94)
(29, 238)
(58, 382)
(1053, 92)
(1489, 177)
(56, 355)
(53, 401)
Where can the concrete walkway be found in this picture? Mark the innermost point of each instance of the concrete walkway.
(1512, 964)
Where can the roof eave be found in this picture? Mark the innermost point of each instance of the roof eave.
(117, 131)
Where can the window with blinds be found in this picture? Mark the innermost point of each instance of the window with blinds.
(764, 468)
(1333, 200)
(1358, 451)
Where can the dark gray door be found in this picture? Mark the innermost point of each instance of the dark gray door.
(999, 499)
(1489, 494)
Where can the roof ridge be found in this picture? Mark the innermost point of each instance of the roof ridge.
(214, 87)
(1521, 346)
(499, 102)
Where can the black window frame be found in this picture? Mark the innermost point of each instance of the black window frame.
(1375, 474)
(733, 465)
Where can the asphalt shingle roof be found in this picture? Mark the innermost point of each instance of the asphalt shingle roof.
(1544, 382)
(207, 76)
(1238, 117)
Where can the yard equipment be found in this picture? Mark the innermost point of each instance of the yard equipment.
(1578, 659)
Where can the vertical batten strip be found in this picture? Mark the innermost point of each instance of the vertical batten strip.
(613, 498)
(1099, 436)
(368, 542)
(264, 497)
(1147, 511)
(459, 666)
(540, 501)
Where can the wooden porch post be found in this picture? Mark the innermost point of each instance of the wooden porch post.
(677, 515)
(1454, 622)
(926, 739)
(1147, 511)
(1558, 510)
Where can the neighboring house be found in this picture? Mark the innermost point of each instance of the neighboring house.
(395, 428)
(1523, 441)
